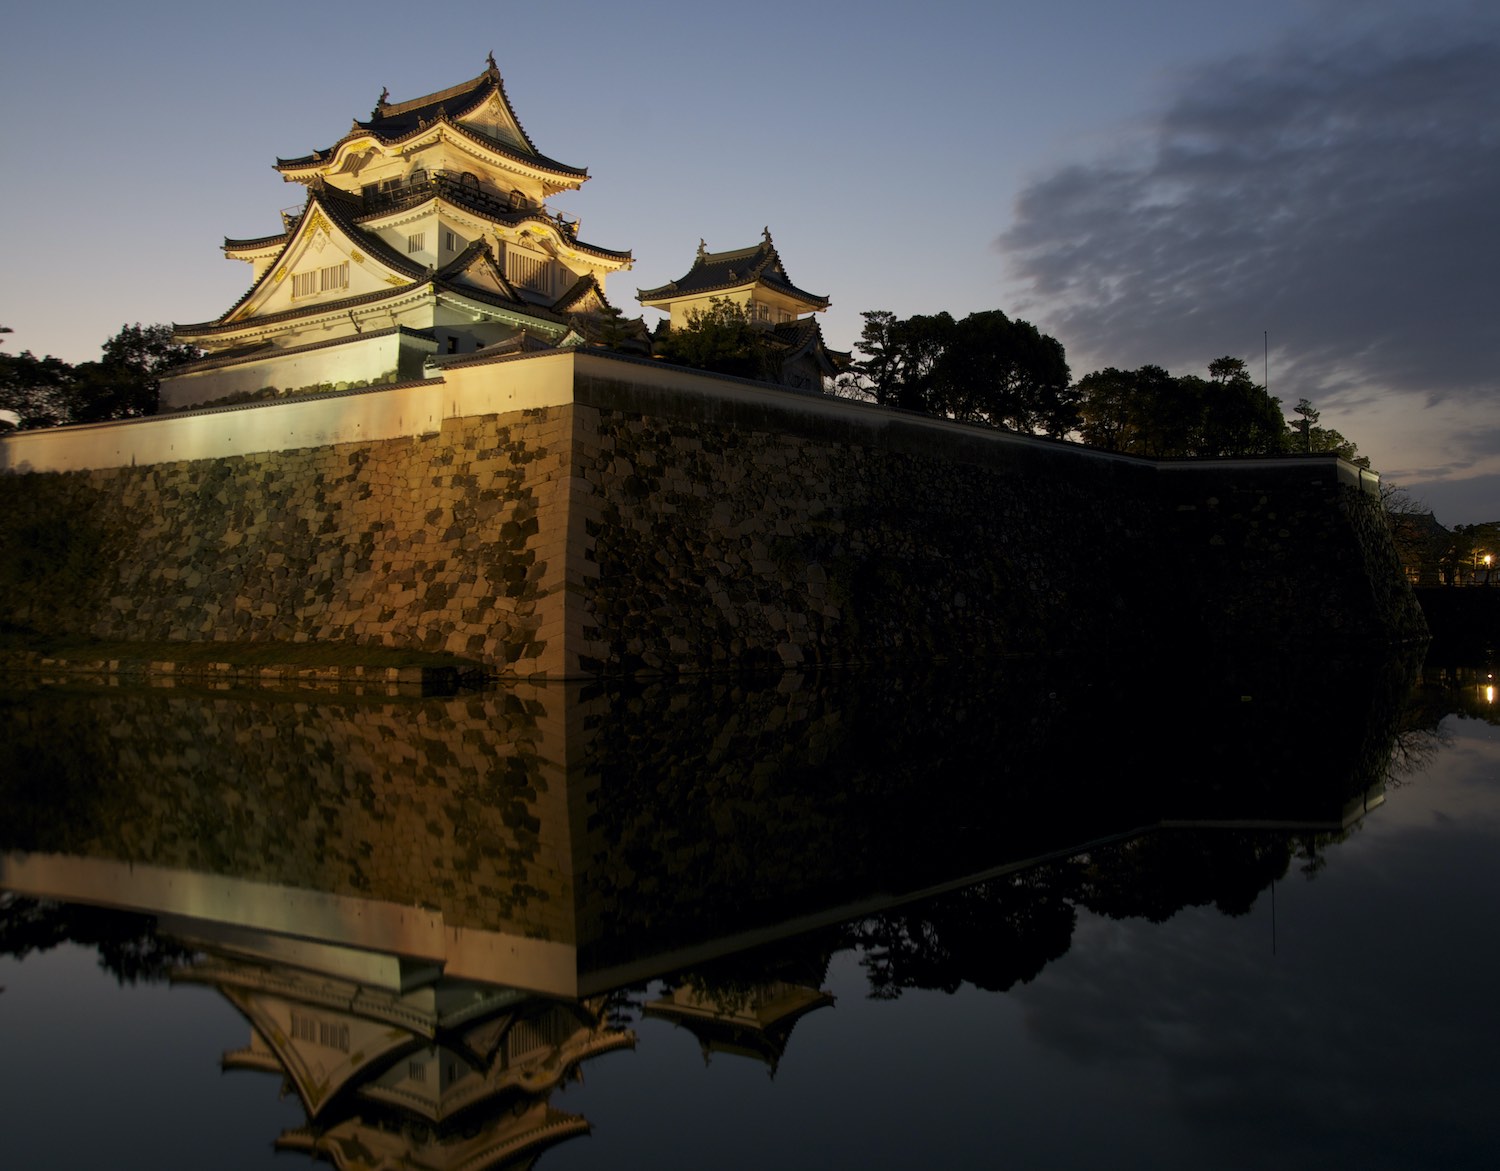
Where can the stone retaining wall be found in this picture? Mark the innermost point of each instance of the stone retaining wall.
(650, 520)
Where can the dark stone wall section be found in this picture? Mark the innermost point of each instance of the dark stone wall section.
(644, 530)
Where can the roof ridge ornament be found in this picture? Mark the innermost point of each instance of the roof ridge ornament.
(381, 103)
(702, 248)
(490, 62)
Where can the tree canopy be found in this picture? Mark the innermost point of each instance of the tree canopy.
(1152, 413)
(985, 368)
(48, 392)
(721, 339)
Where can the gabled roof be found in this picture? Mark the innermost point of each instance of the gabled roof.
(477, 261)
(332, 209)
(806, 338)
(720, 272)
(325, 207)
(586, 293)
(391, 123)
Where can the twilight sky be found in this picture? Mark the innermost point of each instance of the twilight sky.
(1166, 181)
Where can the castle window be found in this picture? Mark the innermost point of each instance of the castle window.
(416, 1071)
(452, 345)
(320, 280)
(450, 241)
(529, 272)
(313, 1031)
(416, 242)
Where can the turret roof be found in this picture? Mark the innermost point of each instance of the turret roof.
(716, 272)
(392, 122)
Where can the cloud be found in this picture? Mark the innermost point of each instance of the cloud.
(1339, 194)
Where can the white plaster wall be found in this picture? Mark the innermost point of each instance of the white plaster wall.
(356, 361)
(289, 424)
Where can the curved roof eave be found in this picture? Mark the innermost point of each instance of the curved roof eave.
(523, 215)
(330, 207)
(538, 161)
(674, 291)
(254, 243)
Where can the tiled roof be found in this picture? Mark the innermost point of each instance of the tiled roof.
(338, 207)
(391, 123)
(233, 245)
(579, 290)
(721, 271)
(805, 336)
(510, 218)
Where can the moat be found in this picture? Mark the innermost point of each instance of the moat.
(1049, 915)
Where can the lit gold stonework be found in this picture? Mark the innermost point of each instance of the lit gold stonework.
(280, 274)
(357, 257)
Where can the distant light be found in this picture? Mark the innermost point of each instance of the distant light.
(1489, 694)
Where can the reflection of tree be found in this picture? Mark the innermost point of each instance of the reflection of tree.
(1155, 876)
(128, 944)
(1005, 931)
(991, 935)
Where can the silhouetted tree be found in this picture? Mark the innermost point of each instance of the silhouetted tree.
(721, 339)
(123, 384)
(985, 368)
(1149, 412)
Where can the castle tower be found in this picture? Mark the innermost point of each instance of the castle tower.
(755, 280)
(425, 231)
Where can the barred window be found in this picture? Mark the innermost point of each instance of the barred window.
(314, 1031)
(529, 272)
(416, 242)
(320, 280)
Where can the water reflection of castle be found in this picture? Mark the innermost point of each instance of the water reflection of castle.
(413, 1070)
(423, 908)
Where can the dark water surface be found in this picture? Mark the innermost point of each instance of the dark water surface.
(1094, 915)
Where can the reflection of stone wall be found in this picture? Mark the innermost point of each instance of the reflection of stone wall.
(630, 821)
(447, 803)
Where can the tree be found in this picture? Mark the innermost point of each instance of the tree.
(48, 392)
(1312, 438)
(720, 338)
(1420, 541)
(1239, 417)
(37, 390)
(984, 369)
(1304, 426)
(1005, 374)
(1142, 412)
(1148, 412)
(125, 382)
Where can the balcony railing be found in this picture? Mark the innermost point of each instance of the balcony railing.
(460, 188)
